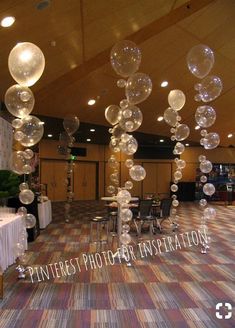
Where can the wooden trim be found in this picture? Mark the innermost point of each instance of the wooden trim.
(1, 285)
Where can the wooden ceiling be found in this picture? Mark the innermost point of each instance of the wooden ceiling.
(76, 38)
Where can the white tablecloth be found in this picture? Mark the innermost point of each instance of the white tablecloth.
(11, 226)
(44, 214)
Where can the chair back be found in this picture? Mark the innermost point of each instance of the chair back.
(166, 207)
(145, 207)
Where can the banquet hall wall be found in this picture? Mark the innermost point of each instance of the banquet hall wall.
(92, 172)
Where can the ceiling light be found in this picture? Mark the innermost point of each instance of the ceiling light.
(88, 140)
(7, 21)
(92, 130)
(91, 102)
(230, 135)
(186, 144)
(161, 140)
(160, 118)
(164, 84)
(197, 127)
(50, 135)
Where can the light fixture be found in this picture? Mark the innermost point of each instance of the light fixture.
(50, 135)
(7, 21)
(230, 135)
(197, 127)
(160, 118)
(164, 84)
(161, 140)
(186, 144)
(91, 102)
(88, 140)
(92, 130)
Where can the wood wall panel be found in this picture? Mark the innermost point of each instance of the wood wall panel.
(85, 181)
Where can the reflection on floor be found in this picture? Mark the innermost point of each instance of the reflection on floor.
(175, 289)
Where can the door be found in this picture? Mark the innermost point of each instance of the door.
(85, 181)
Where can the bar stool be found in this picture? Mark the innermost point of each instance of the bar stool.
(99, 221)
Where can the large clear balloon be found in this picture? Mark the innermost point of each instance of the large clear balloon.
(26, 63)
(170, 116)
(182, 132)
(138, 88)
(205, 116)
(125, 58)
(129, 146)
(26, 196)
(211, 140)
(200, 60)
(19, 100)
(176, 99)
(113, 114)
(33, 129)
(71, 124)
(131, 118)
(137, 173)
(123, 197)
(209, 189)
(211, 87)
(206, 166)
(17, 162)
(30, 221)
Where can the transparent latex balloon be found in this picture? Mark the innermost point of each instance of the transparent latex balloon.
(203, 133)
(179, 148)
(205, 166)
(170, 116)
(19, 100)
(18, 250)
(175, 203)
(114, 176)
(123, 197)
(113, 163)
(17, 162)
(131, 119)
(121, 83)
(208, 189)
(125, 58)
(18, 135)
(128, 185)
(113, 114)
(203, 179)
(200, 60)
(64, 139)
(203, 202)
(26, 196)
(28, 153)
(201, 158)
(30, 221)
(178, 175)
(174, 188)
(125, 238)
(111, 189)
(118, 131)
(125, 228)
(137, 173)
(126, 214)
(176, 99)
(71, 124)
(181, 164)
(129, 163)
(23, 186)
(205, 116)
(22, 211)
(26, 63)
(124, 103)
(211, 140)
(114, 145)
(209, 213)
(130, 146)
(182, 132)
(138, 88)
(211, 88)
(33, 129)
(27, 169)
(16, 123)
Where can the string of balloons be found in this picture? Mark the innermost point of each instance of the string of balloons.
(200, 61)
(125, 118)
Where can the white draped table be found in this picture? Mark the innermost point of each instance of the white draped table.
(44, 214)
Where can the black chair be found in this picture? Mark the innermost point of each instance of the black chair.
(165, 213)
(144, 216)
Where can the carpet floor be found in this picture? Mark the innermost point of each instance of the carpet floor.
(178, 288)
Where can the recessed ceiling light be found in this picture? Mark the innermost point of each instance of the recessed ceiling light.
(230, 135)
(161, 140)
(50, 135)
(92, 130)
(197, 127)
(164, 84)
(88, 140)
(91, 102)
(160, 118)
(186, 144)
(7, 21)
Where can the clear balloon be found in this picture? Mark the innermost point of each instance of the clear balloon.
(126, 214)
(201, 158)
(125, 58)
(205, 116)
(123, 197)
(113, 163)
(211, 88)
(181, 164)
(18, 249)
(209, 189)
(175, 203)
(131, 119)
(113, 114)
(138, 88)
(209, 213)
(17, 162)
(114, 145)
(118, 131)
(27, 169)
(71, 124)
(174, 188)
(128, 185)
(178, 175)
(19, 100)
(28, 153)
(206, 166)
(176, 99)
(182, 132)
(124, 103)
(121, 83)
(111, 189)
(16, 123)
(18, 135)
(30, 221)
(129, 163)
(26, 196)
(203, 179)
(137, 173)
(200, 60)
(22, 211)
(125, 228)
(33, 130)
(125, 239)
(130, 146)
(23, 186)
(211, 140)
(26, 63)
(170, 116)
(203, 202)
(179, 148)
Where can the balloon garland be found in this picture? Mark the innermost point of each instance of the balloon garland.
(125, 59)
(200, 60)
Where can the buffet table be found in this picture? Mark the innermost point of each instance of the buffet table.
(44, 214)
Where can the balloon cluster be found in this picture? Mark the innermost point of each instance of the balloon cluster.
(200, 61)
(66, 141)
(127, 117)
(176, 101)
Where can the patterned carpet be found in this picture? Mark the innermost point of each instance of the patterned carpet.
(174, 289)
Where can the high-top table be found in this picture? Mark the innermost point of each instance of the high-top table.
(11, 226)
